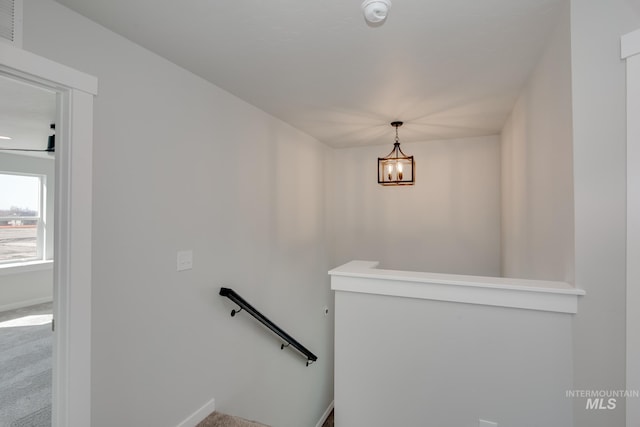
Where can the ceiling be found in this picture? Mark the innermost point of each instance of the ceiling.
(447, 68)
(26, 113)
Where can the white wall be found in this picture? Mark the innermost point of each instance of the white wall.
(448, 222)
(22, 288)
(169, 143)
(599, 158)
(537, 169)
(631, 49)
(411, 362)
(180, 164)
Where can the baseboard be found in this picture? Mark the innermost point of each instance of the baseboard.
(325, 415)
(22, 304)
(199, 415)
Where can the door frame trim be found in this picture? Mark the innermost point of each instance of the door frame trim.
(630, 50)
(71, 406)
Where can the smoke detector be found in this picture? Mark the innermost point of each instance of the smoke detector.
(376, 11)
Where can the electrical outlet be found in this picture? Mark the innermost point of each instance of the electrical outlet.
(483, 423)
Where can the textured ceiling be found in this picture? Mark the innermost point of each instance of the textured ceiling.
(448, 68)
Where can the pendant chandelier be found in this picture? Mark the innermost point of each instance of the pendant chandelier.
(397, 168)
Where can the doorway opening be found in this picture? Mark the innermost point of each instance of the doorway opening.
(27, 181)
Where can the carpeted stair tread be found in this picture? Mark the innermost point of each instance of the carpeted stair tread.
(219, 419)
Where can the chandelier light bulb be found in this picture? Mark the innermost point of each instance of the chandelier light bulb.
(376, 11)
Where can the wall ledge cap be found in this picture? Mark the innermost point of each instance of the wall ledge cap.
(365, 277)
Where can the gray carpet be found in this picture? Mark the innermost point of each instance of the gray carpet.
(218, 419)
(25, 367)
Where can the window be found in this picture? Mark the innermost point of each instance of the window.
(21, 217)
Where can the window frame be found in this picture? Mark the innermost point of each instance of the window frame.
(41, 235)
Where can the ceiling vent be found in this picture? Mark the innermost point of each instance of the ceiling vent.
(11, 22)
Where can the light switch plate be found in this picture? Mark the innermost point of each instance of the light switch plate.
(185, 260)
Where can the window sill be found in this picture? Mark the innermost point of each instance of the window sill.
(364, 277)
(25, 267)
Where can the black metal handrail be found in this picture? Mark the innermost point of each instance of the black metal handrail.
(244, 305)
